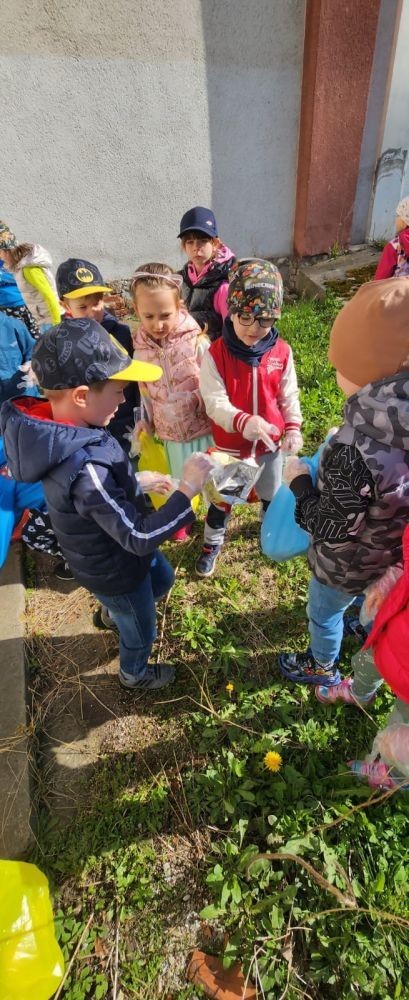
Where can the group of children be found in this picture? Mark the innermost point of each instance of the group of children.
(206, 369)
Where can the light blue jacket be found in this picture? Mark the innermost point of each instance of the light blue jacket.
(10, 297)
(16, 347)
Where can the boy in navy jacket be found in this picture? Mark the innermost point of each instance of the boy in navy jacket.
(95, 501)
(81, 289)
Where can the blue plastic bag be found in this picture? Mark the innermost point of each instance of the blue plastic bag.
(14, 498)
(281, 536)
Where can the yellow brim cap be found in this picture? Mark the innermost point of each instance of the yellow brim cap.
(87, 290)
(138, 371)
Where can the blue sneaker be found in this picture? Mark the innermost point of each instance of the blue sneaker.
(303, 668)
(207, 560)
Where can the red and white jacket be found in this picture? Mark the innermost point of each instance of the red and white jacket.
(234, 391)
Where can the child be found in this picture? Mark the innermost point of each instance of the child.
(358, 510)
(16, 348)
(94, 500)
(394, 261)
(205, 276)
(384, 656)
(81, 291)
(250, 390)
(168, 336)
(31, 265)
(11, 302)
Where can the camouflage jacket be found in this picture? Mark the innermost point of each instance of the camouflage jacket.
(358, 512)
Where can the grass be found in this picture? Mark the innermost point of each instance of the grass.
(187, 839)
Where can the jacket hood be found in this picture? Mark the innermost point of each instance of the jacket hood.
(404, 240)
(380, 411)
(185, 324)
(34, 443)
(223, 256)
(37, 258)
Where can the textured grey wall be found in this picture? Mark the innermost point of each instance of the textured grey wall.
(118, 116)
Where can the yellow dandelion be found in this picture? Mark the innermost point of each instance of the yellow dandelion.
(229, 687)
(273, 760)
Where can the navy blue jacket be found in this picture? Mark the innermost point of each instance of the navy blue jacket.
(123, 418)
(96, 506)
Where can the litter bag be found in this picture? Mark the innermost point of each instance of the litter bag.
(392, 746)
(152, 458)
(281, 536)
(231, 480)
(31, 962)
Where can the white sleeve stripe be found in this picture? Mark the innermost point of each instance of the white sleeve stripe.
(121, 513)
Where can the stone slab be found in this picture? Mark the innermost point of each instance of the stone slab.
(312, 279)
(15, 804)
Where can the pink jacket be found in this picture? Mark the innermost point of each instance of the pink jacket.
(174, 404)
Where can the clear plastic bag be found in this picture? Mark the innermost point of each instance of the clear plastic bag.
(392, 746)
(231, 480)
(31, 961)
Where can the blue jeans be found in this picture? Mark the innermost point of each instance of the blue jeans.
(135, 614)
(325, 610)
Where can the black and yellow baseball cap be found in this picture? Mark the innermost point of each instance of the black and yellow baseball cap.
(76, 278)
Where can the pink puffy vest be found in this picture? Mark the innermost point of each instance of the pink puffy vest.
(178, 408)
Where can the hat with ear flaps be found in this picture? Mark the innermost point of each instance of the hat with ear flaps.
(370, 337)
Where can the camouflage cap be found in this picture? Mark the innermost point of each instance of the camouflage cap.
(255, 286)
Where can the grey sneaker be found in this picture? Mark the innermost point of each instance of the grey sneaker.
(154, 676)
(102, 619)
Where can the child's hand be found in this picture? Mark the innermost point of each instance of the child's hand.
(292, 442)
(378, 591)
(155, 482)
(194, 474)
(258, 429)
(293, 467)
(141, 425)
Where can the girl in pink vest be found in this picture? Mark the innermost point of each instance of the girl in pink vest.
(168, 336)
(383, 657)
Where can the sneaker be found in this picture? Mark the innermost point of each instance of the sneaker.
(207, 560)
(341, 692)
(154, 676)
(62, 571)
(183, 535)
(102, 619)
(303, 668)
(353, 628)
(376, 773)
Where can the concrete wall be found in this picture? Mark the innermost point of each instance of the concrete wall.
(392, 169)
(119, 116)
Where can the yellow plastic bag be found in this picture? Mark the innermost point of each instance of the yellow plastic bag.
(152, 458)
(31, 962)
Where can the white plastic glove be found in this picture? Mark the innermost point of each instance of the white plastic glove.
(292, 442)
(378, 591)
(294, 467)
(258, 429)
(194, 474)
(155, 482)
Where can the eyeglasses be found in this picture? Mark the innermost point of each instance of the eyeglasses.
(247, 319)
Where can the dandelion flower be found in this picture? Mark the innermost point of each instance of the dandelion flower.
(229, 687)
(273, 761)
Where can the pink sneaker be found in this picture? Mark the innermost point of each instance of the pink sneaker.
(341, 692)
(376, 772)
(183, 535)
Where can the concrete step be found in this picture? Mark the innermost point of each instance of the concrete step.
(16, 835)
